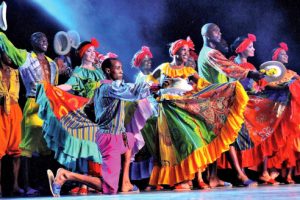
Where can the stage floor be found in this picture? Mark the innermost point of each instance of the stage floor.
(236, 193)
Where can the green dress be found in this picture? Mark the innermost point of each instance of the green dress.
(83, 81)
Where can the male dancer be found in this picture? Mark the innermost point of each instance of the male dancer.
(10, 118)
(111, 139)
(216, 68)
(34, 67)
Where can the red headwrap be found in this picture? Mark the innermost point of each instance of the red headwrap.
(140, 55)
(242, 47)
(175, 46)
(108, 55)
(83, 49)
(282, 46)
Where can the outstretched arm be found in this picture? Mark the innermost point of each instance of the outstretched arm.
(200, 82)
(125, 91)
(65, 87)
(18, 56)
(223, 65)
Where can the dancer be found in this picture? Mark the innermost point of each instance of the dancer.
(10, 118)
(213, 65)
(216, 68)
(189, 124)
(266, 102)
(244, 48)
(111, 140)
(290, 152)
(142, 61)
(34, 67)
(80, 83)
(142, 165)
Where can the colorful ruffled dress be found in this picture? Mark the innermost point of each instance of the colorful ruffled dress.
(290, 152)
(194, 128)
(76, 140)
(145, 114)
(266, 128)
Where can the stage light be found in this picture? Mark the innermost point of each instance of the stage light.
(60, 10)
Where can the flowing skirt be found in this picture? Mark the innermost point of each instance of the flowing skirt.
(194, 130)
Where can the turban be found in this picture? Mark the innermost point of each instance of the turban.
(242, 47)
(175, 46)
(82, 48)
(140, 55)
(282, 46)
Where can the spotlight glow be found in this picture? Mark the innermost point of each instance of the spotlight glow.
(60, 10)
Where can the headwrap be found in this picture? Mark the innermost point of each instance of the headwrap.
(242, 47)
(108, 55)
(282, 46)
(82, 49)
(140, 55)
(175, 46)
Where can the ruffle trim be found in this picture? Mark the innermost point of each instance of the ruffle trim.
(201, 157)
(184, 72)
(72, 152)
(141, 170)
(137, 122)
(287, 130)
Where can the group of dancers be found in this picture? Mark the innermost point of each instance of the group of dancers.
(193, 114)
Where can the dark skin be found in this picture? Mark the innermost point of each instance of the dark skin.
(115, 72)
(146, 65)
(39, 43)
(179, 60)
(6, 62)
(5, 65)
(212, 37)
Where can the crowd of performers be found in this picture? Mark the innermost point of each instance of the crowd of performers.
(172, 125)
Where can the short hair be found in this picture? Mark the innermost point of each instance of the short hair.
(35, 36)
(107, 63)
(206, 27)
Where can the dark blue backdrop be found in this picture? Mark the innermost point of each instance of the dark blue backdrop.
(123, 26)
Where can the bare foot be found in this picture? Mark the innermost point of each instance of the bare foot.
(126, 186)
(245, 181)
(182, 186)
(289, 180)
(243, 178)
(266, 178)
(274, 174)
(61, 176)
(216, 182)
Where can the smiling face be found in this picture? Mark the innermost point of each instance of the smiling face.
(249, 51)
(89, 55)
(183, 54)
(39, 42)
(146, 65)
(283, 57)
